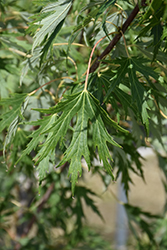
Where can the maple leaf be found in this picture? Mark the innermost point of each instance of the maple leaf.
(88, 109)
(132, 67)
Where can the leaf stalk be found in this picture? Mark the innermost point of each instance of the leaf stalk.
(90, 59)
(47, 83)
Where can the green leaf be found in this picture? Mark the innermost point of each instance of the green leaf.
(91, 4)
(82, 193)
(50, 41)
(133, 67)
(145, 116)
(19, 141)
(31, 63)
(128, 74)
(38, 136)
(149, 53)
(163, 164)
(13, 126)
(125, 99)
(153, 7)
(56, 14)
(87, 109)
(120, 74)
(136, 87)
(157, 32)
(137, 216)
(153, 18)
(83, 23)
(164, 33)
(15, 103)
(103, 7)
(104, 26)
(43, 168)
(140, 65)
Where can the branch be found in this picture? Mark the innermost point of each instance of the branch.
(117, 37)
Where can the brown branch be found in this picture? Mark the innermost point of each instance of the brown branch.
(64, 166)
(117, 37)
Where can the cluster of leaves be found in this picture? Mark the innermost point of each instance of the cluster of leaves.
(59, 115)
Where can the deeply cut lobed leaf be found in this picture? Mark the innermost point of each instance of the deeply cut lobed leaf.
(87, 109)
(56, 14)
(130, 69)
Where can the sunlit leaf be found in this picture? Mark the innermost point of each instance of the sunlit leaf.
(57, 12)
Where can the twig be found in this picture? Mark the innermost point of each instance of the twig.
(90, 58)
(75, 44)
(125, 44)
(116, 38)
(161, 112)
(54, 80)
